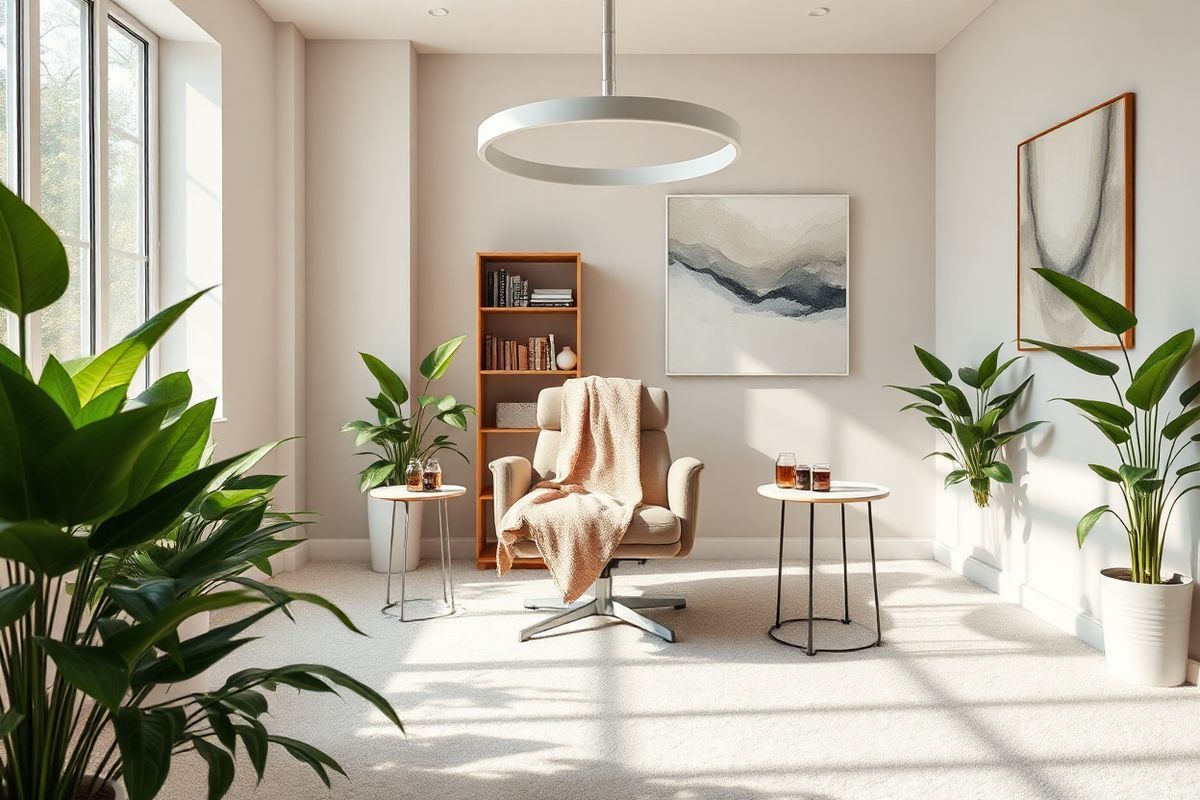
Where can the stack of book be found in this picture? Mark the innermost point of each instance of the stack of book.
(552, 298)
(506, 291)
(536, 353)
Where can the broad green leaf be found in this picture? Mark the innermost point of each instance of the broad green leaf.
(999, 472)
(1109, 412)
(391, 384)
(33, 261)
(1111, 432)
(957, 476)
(454, 418)
(145, 598)
(102, 406)
(46, 549)
(969, 435)
(220, 768)
(146, 739)
(383, 405)
(118, 365)
(940, 424)
(86, 476)
(987, 367)
(924, 408)
(15, 602)
(174, 451)
(442, 403)
(336, 677)
(1176, 427)
(219, 503)
(1088, 362)
(254, 737)
(11, 361)
(1109, 474)
(1008, 436)
(933, 365)
(173, 390)
(9, 721)
(1154, 378)
(154, 516)
(991, 379)
(30, 424)
(1007, 400)
(928, 395)
(1188, 470)
(1105, 313)
(956, 401)
(307, 754)
(96, 671)
(131, 644)
(1131, 475)
(943, 454)
(57, 383)
(434, 365)
(1088, 521)
(1189, 394)
(988, 422)
(376, 475)
(247, 462)
(970, 376)
(1148, 486)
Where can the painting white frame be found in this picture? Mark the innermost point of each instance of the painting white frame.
(667, 288)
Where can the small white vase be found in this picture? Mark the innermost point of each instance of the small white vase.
(379, 519)
(1146, 628)
(566, 359)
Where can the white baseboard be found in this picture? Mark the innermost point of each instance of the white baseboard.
(727, 548)
(1074, 621)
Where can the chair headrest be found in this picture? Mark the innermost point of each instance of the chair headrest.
(654, 409)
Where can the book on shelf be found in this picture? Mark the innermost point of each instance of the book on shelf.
(512, 291)
(534, 354)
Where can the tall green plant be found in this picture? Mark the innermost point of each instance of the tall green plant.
(116, 527)
(399, 438)
(1147, 439)
(971, 430)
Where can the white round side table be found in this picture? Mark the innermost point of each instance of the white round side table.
(397, 495)
(840, 492)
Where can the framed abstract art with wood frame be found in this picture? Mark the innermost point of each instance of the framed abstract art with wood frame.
(1075, 216)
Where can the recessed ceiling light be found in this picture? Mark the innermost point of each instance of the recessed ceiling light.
(443, 12)
(816, 12)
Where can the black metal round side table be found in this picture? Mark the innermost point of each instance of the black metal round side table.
(840, 493)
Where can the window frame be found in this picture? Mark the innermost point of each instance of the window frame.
(94, 277)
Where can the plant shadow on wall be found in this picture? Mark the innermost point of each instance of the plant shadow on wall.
(970, 428)
(116, 528)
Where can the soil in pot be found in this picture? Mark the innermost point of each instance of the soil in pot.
(98, 791)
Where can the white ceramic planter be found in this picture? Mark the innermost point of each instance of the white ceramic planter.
(116, 787)
(1146, 628)
(379, 518)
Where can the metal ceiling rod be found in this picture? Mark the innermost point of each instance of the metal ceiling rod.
(608, 49)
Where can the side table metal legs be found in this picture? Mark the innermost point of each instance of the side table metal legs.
(447, 579)
(809, 647)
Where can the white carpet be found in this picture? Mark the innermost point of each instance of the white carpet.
(968, 698)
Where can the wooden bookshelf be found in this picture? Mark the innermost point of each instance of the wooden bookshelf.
(492, 386)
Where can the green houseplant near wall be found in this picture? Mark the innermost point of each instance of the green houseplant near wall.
(398, 439)
(971, 430)
(1146, 614)
(116, 529)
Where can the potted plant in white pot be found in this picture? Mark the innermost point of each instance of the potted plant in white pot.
(398, 439)
(1146, 614)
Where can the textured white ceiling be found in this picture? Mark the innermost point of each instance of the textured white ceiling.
(643, 26)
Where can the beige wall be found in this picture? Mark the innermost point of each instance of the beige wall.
(1023, 66)
(861, 125)
(359, 246)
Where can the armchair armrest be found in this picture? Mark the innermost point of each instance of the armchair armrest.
(512, 478)
(683, 498)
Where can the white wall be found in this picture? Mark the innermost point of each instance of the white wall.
(861, 125)
(359, 256)
(1023, 66)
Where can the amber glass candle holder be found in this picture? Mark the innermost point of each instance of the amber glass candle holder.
(785, 471)
(821, 478)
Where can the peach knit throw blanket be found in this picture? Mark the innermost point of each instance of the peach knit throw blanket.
(578, 520)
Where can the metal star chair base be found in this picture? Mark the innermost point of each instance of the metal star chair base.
(604, 603)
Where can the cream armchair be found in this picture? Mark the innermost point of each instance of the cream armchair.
(664, 526)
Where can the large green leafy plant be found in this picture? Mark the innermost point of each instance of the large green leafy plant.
(116, 527)
(398, 438)
(971, 430)
(1148, 439)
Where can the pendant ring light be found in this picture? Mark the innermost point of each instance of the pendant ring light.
(610, 107)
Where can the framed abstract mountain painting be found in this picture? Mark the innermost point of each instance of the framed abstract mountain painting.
(758, 284)
(1075, 216)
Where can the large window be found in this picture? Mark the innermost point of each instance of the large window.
(82, 155)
